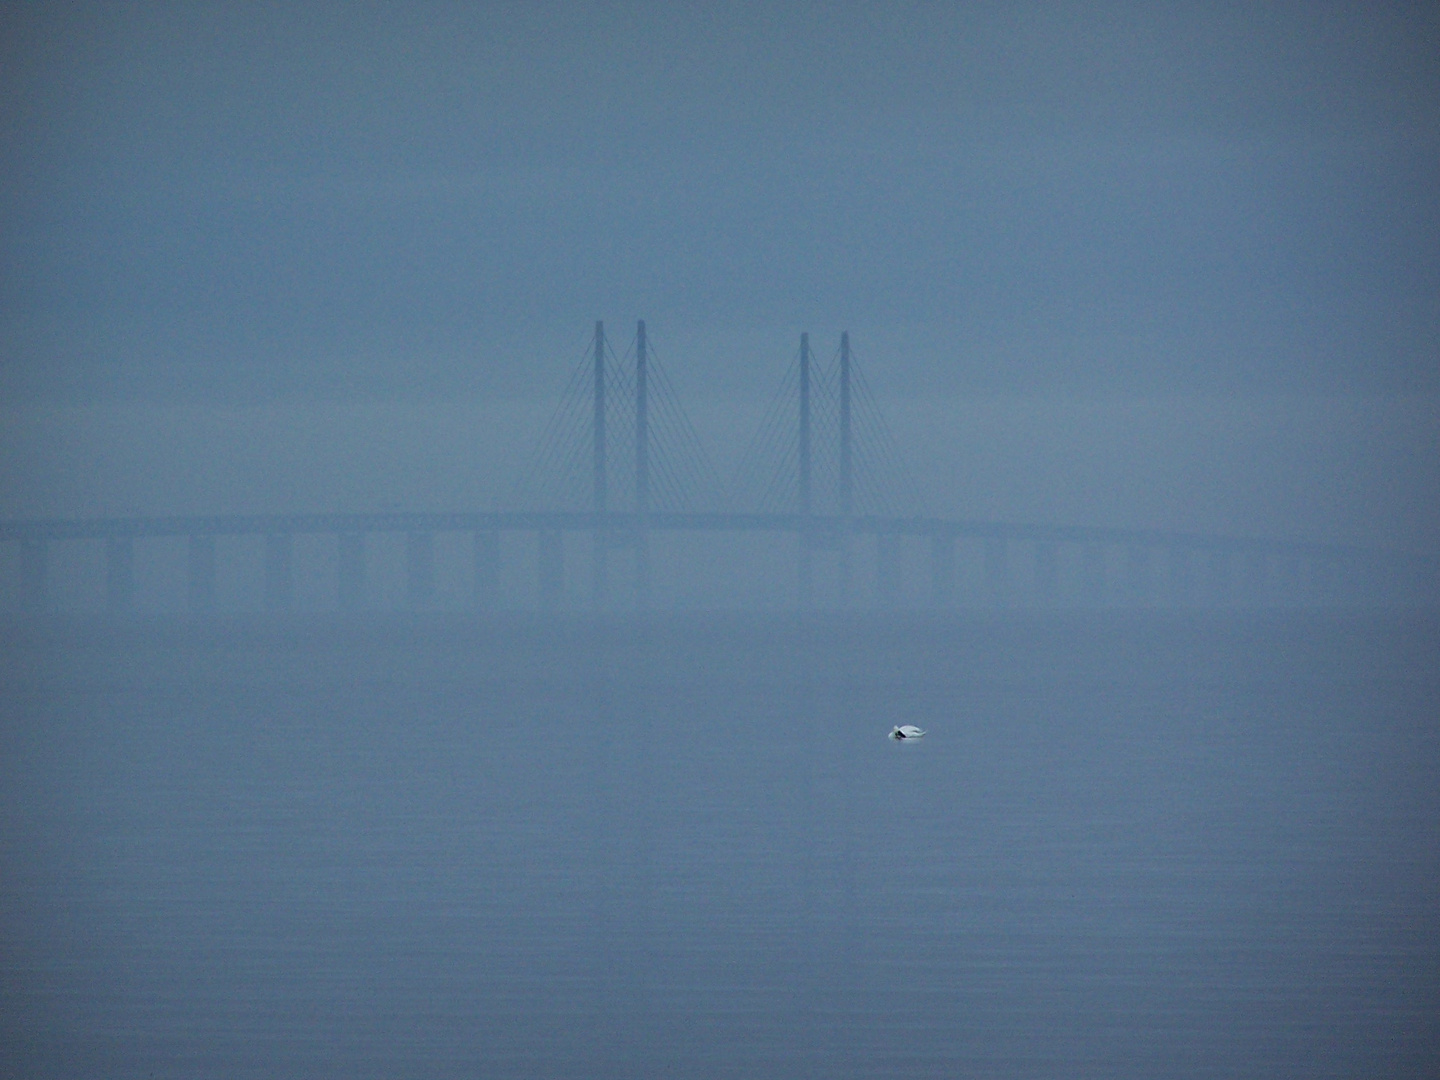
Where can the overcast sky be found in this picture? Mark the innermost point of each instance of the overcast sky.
(231, 204)
(240, 199)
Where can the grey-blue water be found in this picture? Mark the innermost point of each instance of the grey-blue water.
(1132, 845)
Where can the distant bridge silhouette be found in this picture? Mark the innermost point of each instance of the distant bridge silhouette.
(822, 469)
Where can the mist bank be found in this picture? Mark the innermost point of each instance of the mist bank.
(1329, 469)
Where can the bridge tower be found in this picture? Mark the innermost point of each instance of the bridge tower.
(642, 470)
(807, 554)
(601, 540)
(847, 475)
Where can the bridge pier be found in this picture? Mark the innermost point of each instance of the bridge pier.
(1181, 583)
(200, 576)
(1221, 577)
(1092, 575)
(1137, 574)
(887, 568)
(1257, 579)
(942, 569)
(551, 568)
(805, 569)
(642, 567)
(279, 577)
(1148, 568)
(119, 574)
(1324, 579)
(487, 570)
(350, 571)
(997, 570)
(1288, 580)
(34, 574)
(420, 569)
(599, 568)
(1047, 572)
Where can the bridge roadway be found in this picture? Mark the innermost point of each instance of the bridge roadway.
(1336, 571)
(819, 525)
(1346, 564)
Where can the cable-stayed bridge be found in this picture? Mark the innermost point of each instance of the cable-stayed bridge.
(620, 475)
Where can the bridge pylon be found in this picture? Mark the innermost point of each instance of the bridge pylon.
(620, 449)
(600, 496)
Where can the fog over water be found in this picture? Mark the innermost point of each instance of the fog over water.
(1328, 469)
(1100, 262)
(370, 800)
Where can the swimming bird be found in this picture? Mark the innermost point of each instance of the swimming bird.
(907, 731)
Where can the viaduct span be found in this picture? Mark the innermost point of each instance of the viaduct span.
(620, 466)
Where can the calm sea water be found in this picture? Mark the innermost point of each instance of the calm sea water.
(1131, 846)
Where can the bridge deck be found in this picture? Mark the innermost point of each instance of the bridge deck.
(588, 521)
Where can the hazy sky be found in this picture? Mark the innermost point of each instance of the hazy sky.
(219, 206)
(244, 199)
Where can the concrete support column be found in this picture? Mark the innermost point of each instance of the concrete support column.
(1289, 583)
(600, 567)
(119, 574)
(942, 569)
(34, 574)
(1257, 579)
(1324, 580)
(279, 577)
(1343, 576)
(200, 579)
(1092, 574)
(805, 585)
(1221, 579)
(350, 571)
(487, 570)
(420, 569)
(1181, 584)
(552, 568)
(642, 568)
(887, 567)
(997, 570)
(1137, 573)
(1047, 572)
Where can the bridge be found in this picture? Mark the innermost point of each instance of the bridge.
(620, 469)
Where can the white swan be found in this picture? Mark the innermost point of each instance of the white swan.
(907, 731)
